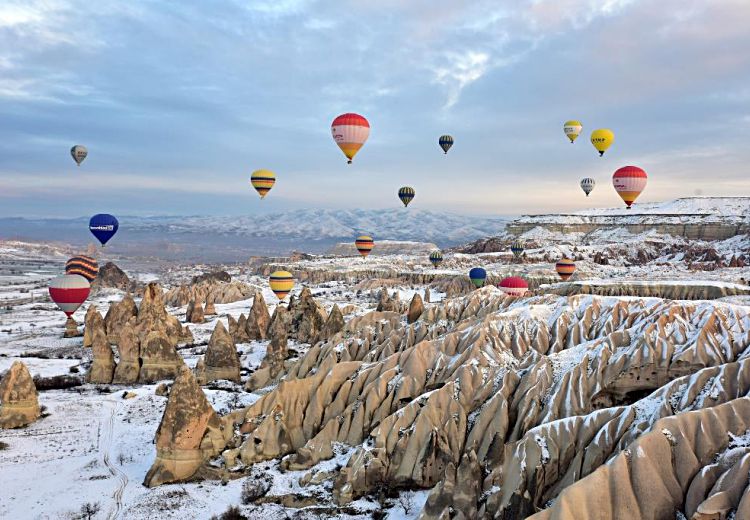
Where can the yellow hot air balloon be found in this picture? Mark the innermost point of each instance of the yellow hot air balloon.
(572, 129)
(263, 181)
(281, 283)
(602, 139)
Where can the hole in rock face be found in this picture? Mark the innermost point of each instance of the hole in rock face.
(256, 440)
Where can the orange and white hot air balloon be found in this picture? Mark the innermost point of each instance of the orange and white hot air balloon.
(350, 131)
(629, 182)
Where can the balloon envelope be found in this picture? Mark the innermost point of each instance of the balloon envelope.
(103, 227)
(516, 248)
(602, 139)
(587, 185)
(514, 286)
(572, 129)
(406, 194)
(281, 283)
(69, 291)
(445, 142)
(79, 153)
(364, 244)
(262, 181)
(436, 258)
(350, 131)
(83, 265)
(478, 276)
(629, 182)
(565, 267)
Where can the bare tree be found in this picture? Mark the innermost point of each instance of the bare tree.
(90, 509)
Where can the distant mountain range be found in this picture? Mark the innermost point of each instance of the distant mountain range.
(211, 238)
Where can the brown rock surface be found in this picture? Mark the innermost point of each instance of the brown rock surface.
(118, 315)
(189, 433)
(18, 398)
(221, 360)
(103, 365)
(160, 359)
(111, 276)
(129, 364)
(258, 320)
(213, 290)
(194, 313)
(334, 324)
(307, 317)
(272, 366)
(416, 308)
(71, 329)
(210, 310)
(92, 320)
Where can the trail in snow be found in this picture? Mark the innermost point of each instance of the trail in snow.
(105, 445)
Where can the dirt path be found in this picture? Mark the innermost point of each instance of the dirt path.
(105, 447)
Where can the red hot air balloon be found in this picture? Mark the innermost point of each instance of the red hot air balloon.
(514, 286)
(629, 182)
(350, 131)
(69, 291)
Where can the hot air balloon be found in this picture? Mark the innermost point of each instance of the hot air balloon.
(281, 283)
(83, 265)
(364, 244)
(350, 131)
(629, 182)
(602, 139)
(587, 185)
(445, 142)
(79, 153)
(516, 248)
(69, 291)
(514, 286)
(572, 129)
(436, 258)
(103, 227)
(478, 276)
(262, 181)
(406, 194)
(565, 267)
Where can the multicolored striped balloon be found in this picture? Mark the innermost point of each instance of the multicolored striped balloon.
(69, 291)
(516, 248)
(436, 258)
(84, 266)
(406, 194)
(364, 244)
(350, 131)
(514, 286)
(629, 182)
(263, 181)
(281, 283)
(445, 142)
(478, 276)
(565, 267)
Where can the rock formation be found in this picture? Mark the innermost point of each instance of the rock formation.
(194, 313)
(118, 315)
(208, 290)
(71, 329)
(111, 276)
(307, 317)
(221, 360)
(273, 366)
(427, 295)
(18, 398)
(210, 310)
(103, 364)
(189, 433)
(160, 359)
(388, 304)
(93, 320)
(129, 364)
(416, 308)
(213, 276)
(258, 320)
(333, 325)
(239, 330)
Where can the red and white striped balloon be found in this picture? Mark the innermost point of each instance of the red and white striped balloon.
(514, 286)
(69, 291)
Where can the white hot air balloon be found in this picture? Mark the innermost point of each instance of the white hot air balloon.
(79, 153)
(587, 185)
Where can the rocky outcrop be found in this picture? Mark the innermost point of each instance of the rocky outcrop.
(273, 366)
(416, 308)
(93, 320)
(129, 364)
(103, 365)
(210, 310)
(71, 328)
(334, 324)
(118, 315)
(112, 277)
(194, 313)
(18, 398)
(667, 290)
(307, 317)
(159, 358)
(258, 320)
(208, 291)
(189, 433)
(153, 316)
(388, 304)
(221, 360)
(212, 276)
(238, 329)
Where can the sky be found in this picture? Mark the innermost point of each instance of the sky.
(178, 102)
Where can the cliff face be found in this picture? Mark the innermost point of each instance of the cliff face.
(693, 231)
